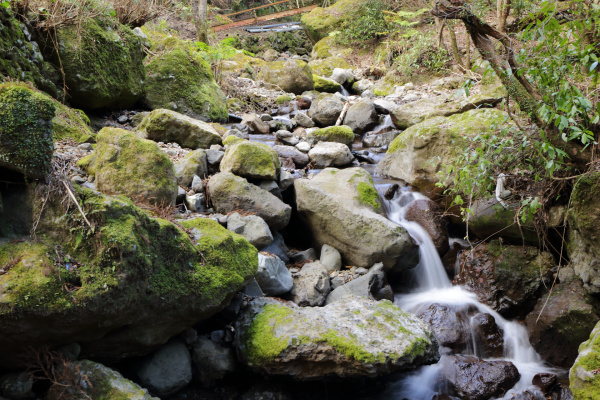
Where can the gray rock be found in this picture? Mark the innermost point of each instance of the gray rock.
(273, 277)
(169, 126)
(387, 339)
(181, 193)
(330, 205)
(326, 109)
(373, 285)
(303, 147)
(277, 247)
(384, 106)
(166, 371)
(311, 285)
(330, 258)
(197, 185)
(379, 139)
(196, 202)
(342, 76)
(214, 157)
(304, 120)
(212, 361)
(292, 76)
(271, 187)
(286, 180)
(362, 85)
(251, 227)
(287, 138)
(194, 163)
(253, 289)
(330, 154)
(266, 117)
(361, 117)
(242, 134)
(85, 146)
(367, 94)
(300, 159)
(303, 256)
(336, 282)
(17, 386)
(251, 160)
(256, 126)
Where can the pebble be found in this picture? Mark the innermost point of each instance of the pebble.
(86, 146)
(122, 119)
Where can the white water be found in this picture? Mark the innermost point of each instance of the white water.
(433, 286)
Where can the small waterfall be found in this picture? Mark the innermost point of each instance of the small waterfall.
(343, 91)
(386, 124)
(434, 286)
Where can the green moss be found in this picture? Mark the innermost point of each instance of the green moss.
(340, 134)
(102, 62)
(321, 21)
(70, 123)
(231, 139)
(325, 85)
(321, 48)
(349, 348)
(179, 79)
(251, 159)
(262, 344)
(284, 98)
(368, 196)
(26, 140)
(587, 388)
(325, 67)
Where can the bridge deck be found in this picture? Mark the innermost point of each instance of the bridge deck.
(263, 18)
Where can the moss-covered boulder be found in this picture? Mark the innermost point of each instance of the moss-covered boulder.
(419, 153)
(325, 66)
(291, 76)
(341, 208)
(229, 193)
(251, 160)
(339, 134)
(71, 123)
(561, 321)
(122, 287)
(26, 134)
(123, 163)
(325, 84)
(583, 244)
(325, 109)
(179, 79)
(242, 65)
(507, 278)
(583, 377)
(169, 126)
(352, 338)
(21, 58)
(105, 384)
(194, 163)
(321, 21)
(102, 63)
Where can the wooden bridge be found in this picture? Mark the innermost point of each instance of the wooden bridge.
(255, 19)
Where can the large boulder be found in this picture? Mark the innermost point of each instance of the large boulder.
(229, 193)
(342, 208)
(349, 339)
(321, 21)
(179, 79)
(169, 126)
(125, 285)
(325, 66)
(584, 231)
(450, 324)
(291, 76)
(561, 321)
(373, 285)
(338, 134)
(251, 160)
(124, 164)
(471, 378)
(330, 154)
(166, 371)
(102, 64)
(583, 376)
(361, 117)
(71, 123)
(507, 278)
(26, 141)
(419, 153)
(326, 109)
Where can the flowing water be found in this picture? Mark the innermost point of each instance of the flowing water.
(431, 285)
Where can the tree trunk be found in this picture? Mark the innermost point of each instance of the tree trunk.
(506, 67)
(503, 9)
(199, 10)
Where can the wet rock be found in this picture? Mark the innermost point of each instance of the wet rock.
(391, 191)
(449, 259)
(361, 117)
(489, 337)
(311, 285)
(373, 285)
(300, 159)
(251, 227)
(256, 126)
(326, 109)
(507, 278)
(330, 258)
(429, 215)
(471, 378)
(229, 193)
(450, 324)
(339, 206)
(559, 324)
(328, 154)
(196, 202)
(351, 338)
(273, 277)
(251, 160)
(211, 361)
(545, 381)
(167, 371)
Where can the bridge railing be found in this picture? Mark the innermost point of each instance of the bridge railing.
(226, 18)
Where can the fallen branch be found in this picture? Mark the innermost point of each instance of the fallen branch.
(76, 203)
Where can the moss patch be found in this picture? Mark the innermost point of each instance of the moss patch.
(325, 67)
(261, 343)
(584, 381)
(368, 196)
(26, 135)
(251, 160)
(339, 134)
(325, 85)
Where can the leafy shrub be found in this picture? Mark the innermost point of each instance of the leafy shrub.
(371, 24)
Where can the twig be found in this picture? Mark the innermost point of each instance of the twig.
(343, 114)
(77, 204)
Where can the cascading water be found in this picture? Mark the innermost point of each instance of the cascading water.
(433, 286)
